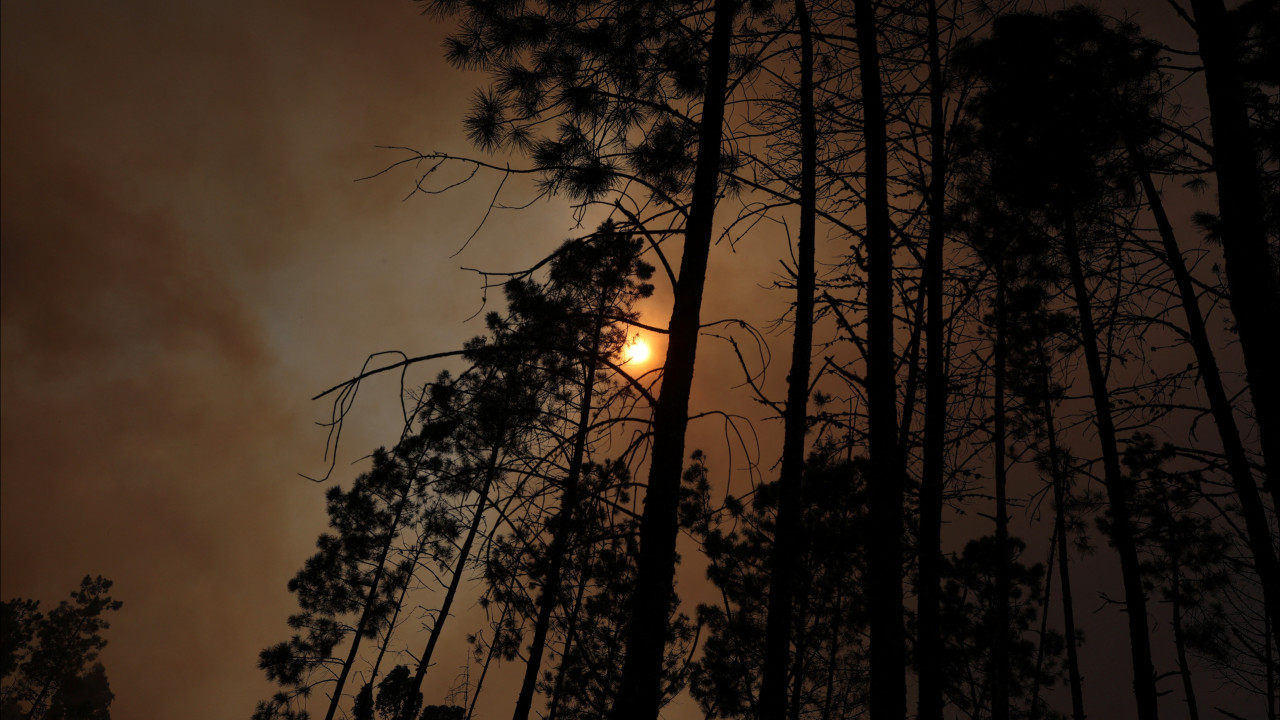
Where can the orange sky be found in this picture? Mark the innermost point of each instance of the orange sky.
(186, 261)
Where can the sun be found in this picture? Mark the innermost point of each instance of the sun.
(636, 351)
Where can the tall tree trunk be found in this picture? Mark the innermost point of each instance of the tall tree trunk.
(1122, 535)
(640, 691)
(789, 529)
(884, 566)
(1000, 648)
(929, 577)
(1251, 506)
(1251, 273)
(563, 527)
(414, 701)
(1060, 518)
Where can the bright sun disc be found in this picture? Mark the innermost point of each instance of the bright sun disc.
(637, 351)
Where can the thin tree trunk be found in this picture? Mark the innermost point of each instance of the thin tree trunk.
(1180, 642)
(911, 363)
(554, 708)
(884, 566)
(564, 526)
(640, 691)
(363, 625)
(1064, 571)
(413, 702)
(484, 670)
(789, 530)
(1000, 649)
(1251, 506)
(1251, 273)
(1122, 535)
(395, 615)
(929, 577)
(1044, 621)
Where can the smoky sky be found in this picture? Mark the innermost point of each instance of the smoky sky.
(188, 258)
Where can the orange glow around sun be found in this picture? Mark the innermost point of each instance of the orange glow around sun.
(636, 351)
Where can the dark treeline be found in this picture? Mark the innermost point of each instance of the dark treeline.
(49, 668)
(1047, 337)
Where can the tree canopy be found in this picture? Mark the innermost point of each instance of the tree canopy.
(1007, 342)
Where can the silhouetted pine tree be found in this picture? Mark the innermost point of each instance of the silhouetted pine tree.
(626, 100)
(348, 590)
(49, 667)
(574, 83)
(1184, 553)
(485, 414)
(578, 320)
(595, 616)
(827, 670)
(1050, 161)
(527, 413)
(1034, 326)
(971, 617)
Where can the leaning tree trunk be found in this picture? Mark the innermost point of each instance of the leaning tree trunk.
(640, 690)
(1251, 271)
(362, 627)
(395, 615)
(1122, 534)
(488, 660)
(414, 697)
(789, 529)
(1256, 528)
(885, 491)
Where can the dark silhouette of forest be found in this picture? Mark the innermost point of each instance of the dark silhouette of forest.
(49, 667)
(1030, 283)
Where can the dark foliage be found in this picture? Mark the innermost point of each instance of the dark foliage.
(51, 669)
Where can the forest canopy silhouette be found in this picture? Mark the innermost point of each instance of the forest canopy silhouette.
(1029, 298)
(49, 667)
